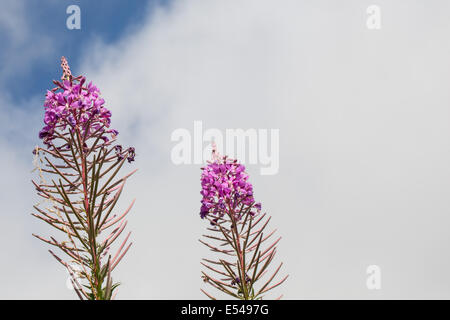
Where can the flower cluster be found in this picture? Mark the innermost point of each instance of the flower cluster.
(225, 188)
(120, 154)
(237, 280)
(75, 105)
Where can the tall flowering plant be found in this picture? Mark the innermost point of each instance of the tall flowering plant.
(77, 168)
(237, 233)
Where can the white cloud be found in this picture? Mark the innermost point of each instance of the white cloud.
(354, 186)
(21, 47)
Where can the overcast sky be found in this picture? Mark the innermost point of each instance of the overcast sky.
(364, 135)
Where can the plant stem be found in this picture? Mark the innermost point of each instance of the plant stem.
(97, 289)
(240, 254)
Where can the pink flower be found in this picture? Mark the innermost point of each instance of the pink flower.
(75, 105)
(225, 188)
